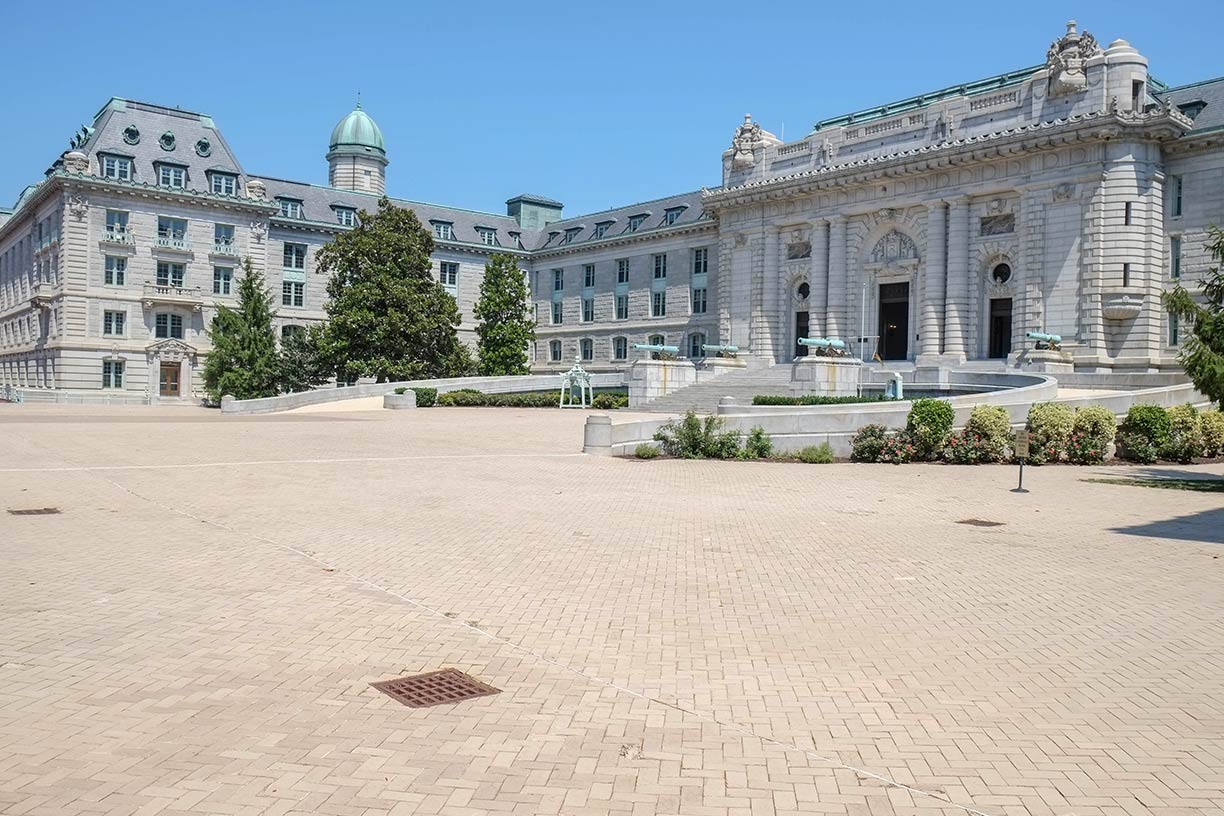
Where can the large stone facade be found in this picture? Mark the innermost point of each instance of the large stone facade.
(938, 230)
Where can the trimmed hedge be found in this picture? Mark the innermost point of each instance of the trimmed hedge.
(471, 398)
(426, 397)
(816, 399)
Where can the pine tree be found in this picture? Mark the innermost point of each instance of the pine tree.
(304, 362)
(505, 331)
(243, 360)
(1202, 353)
(389, 316)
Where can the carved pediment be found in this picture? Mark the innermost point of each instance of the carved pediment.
(170, 349)
(894, 247)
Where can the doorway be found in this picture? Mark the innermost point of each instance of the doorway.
(894, 321)
(802, 327)
(168, 385)
(1000, 328)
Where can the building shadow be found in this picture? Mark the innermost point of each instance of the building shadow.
(1206, 526)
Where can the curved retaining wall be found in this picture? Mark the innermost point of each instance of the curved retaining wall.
(794, 427)
(490, 385)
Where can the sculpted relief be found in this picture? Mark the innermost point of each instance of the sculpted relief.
(893, 247)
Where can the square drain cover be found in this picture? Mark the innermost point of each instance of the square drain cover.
(35, 511)
(434, 688)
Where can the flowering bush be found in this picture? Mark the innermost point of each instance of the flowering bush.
(1185, 434)
(1083, 449)
(990, 426)
(969, 448)
(867, 443)
(1092, 431)
(1136, 447)
(1049, 426)
(1213, 433)
(897, 449)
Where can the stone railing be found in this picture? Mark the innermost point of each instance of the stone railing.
(119, 235)
(225, 248)
(154, 293)
(179, 243)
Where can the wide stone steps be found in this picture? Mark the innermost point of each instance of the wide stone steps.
(743, 385)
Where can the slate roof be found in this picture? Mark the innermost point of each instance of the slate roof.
(1209, 91)
(583, 226)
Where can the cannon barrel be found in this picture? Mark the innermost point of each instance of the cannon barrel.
(659, 349)
(711, 347)
(1044, 337)
(822, 342)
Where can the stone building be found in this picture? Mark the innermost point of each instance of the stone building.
(936, 230)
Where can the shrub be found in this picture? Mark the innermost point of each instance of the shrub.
(400, 391)
(990, 426)
(1049, 426)
(1185, 434)
(867, 443)
(646, 451)
(464, 397)
(1144, 433)
(970, 448)
(898, 449)
(821, 454)
(1091, 432)
(426, 397)
(757, 445)
(814, 399)
(610, 402)
(470, 398)
(694, 438)
(927, 426)
(1213, 433)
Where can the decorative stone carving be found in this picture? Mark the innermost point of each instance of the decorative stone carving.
(1064, 192)
(78, 206)
(1065, 61)
(171, 350)
(798, 249)
(76, 162)
(258, 230)
(745, 142)
(256, 189)
(893, 247)
(887, 214)
(81, 137)
(741, 240)
(998, 224)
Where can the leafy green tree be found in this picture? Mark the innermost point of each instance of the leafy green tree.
(304, 360)
(505, 331)
(389, 317)
(243, 360)
(1202, 353)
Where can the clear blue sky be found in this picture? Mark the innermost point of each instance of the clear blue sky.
(594, 104)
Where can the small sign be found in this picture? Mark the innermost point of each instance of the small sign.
(1022, 444)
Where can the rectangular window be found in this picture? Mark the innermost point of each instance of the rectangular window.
(170, 274)
(171, 231)
(117, 167)
(346, 217)
(223, 277)
(112, 373)
(558, 280)
(558, 315)
(116, 271)
(671, 216)
(487, 236)
(294, 256)
(1126, 215)
(588, 309)
(587, 348)
(620, 348)
(601, 229)
(223, 239)
(293, 293)
(658, 304)
(635, 222)
(701, 261)
(224, 184)
(116, 223)
(699, 301)
(554, 350)
(1175, 257)
(622, 270)
(622, 307)
(168, 325)
(696, 342)
(588, 276)
(113, 323)
(1126, 274)
(444, 230)
(449, 274)
(169, 175)
(660, 266)
(1176, 183)
(290, 208)
(1173, 330)
(571, 234)
(518, 240)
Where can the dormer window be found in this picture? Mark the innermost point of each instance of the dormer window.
(172, 175)
(601, 229)
(116, 167)
(636, 221)
(552, 235)
(518, 240)
(444, 230)
(488, 235)
(290, 207)
(571, 234)
(1192, 109)
(671, 215)
(224, 184)
(346, 216)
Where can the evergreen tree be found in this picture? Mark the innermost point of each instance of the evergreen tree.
(1202, 353)
(304, 360)
(390, 318)
(505, 331)
(243, 360)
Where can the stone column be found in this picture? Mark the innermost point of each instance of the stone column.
(835, 312)
(931, 343)
(818, 279)
(767, 315)
(957, 307)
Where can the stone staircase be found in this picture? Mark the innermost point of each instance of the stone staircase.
(743, 384)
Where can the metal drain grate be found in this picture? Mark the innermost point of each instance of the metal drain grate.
(36, 511)
(434, 688)
(980, 523)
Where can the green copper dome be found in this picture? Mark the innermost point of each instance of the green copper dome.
(357, 130)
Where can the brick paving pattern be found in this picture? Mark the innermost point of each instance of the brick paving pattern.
(197, 630)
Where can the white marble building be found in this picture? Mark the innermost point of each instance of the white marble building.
(938, 229)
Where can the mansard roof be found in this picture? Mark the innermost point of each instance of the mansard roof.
(582, 227)
(1210, 93)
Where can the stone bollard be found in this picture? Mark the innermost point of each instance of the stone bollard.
(400, 401)
(597, 435)
(227, 403)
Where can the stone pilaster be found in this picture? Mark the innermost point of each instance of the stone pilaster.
(835, 312)
(931, 343)
(818, 279)
(956, 310)
(770, 273)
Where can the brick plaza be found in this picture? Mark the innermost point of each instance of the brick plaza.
(197, 628)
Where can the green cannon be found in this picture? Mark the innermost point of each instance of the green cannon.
(720, 351)
(825, 346)
(659, 352)
(1046, 342)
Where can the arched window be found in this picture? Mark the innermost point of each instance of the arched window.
(554, 350)
(620, 348)
(656, 340)
(696, 341)
(803, 291)
(586, 346)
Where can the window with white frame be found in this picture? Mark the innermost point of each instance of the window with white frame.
(586, 347)
(696, 341)
(601, 229)
(223, 237)
(346, 216)
(444, 230)
(635, 221)
(554, 350)
(115, 273)
(557, 314)
(172, 175)
(171, 274)
(622, 307)
(114, 323)
(518, 240)
(588, 276)
(670, 216)
(558, 280)
(168, 325)
(660, 266)
(293, 293)
(171, 229)
(656, 340)
(487, 236)
(620, 348)
(658, 304)
(117, 167)
(294, 256)
(448, 273)
(224, 184)
(116, 224)
(699, 300)
(223, 277)
(588, 309)
(112, 373)
(290, 207)
(701, 260)
(622, 270)
(571, 234)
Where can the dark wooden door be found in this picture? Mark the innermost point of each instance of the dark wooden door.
(169, 383)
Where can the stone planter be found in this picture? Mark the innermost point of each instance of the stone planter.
(826, 376)
(1122, 303)
(399, 401)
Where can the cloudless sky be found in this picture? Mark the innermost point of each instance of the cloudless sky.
(595, 104)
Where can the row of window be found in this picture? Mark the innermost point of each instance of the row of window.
(698, 304)
(168, 174)
(700, 259)
(620, 347)
(567, 236)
